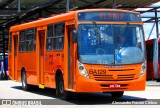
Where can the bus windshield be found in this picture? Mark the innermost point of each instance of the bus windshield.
(110, 44)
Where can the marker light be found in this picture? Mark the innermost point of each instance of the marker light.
(143, 69)
(82, 70)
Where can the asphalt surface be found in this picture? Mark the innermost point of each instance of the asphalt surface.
(12, 91)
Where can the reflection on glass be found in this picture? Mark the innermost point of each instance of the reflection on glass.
(110, 44)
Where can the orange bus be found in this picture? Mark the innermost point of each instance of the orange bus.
(91, 50)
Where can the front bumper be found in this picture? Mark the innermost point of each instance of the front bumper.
(90, 85)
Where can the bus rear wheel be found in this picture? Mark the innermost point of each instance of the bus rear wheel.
(117, 94)
(60, 89)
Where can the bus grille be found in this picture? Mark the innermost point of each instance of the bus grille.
(111, 77)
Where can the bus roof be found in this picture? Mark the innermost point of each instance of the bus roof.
(107, 9)
(58, 18)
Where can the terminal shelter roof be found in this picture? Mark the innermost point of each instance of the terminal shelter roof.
(14, 12)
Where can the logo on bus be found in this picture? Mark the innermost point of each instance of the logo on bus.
(118, 57)
(115, 66)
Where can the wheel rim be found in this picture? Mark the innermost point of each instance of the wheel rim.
(24, 80)
(61, 86)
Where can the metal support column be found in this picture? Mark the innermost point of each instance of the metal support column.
(40, 14)
(151, 31)
(156, 48)
(4, 56)
(19, 5)
(67, 5)
(114, 3)
(156, 20)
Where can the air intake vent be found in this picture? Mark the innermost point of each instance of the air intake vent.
(111, 77)
(121, 69)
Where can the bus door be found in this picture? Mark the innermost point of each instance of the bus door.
(41, 38)
(15, 43)
(71, 58)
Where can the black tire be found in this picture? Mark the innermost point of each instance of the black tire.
(117, 94)
(158, 80)
(25, 86)
(60, 89)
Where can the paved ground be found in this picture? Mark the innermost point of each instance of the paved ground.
(12, 90)
(153, 83)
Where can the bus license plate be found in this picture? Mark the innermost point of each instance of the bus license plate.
(115, 86)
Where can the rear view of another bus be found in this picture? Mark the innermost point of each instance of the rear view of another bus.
(153, 59)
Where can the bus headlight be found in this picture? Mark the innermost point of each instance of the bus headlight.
(82, 70)
(143, 69)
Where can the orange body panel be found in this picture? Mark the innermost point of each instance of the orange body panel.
(29, 62)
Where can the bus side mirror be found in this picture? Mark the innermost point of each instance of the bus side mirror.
(74, 36)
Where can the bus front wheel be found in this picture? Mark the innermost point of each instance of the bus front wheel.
(117, 94)
(60, 89)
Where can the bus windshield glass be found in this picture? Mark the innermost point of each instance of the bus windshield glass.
(110, 44)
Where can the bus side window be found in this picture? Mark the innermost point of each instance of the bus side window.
(58, 41)
(49, 44)
(22, 44)
(30, 38)
(49, 41)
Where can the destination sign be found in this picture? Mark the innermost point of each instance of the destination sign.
(109, 16)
